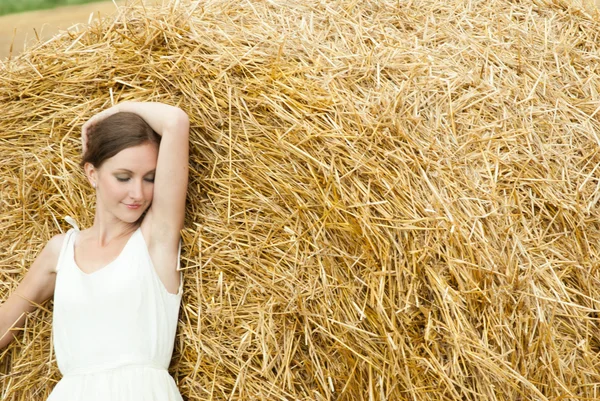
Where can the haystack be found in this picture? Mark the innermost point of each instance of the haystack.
(389, 200)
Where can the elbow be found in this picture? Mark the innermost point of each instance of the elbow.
(180, 122)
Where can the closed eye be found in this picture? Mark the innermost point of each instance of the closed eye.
(122, 179)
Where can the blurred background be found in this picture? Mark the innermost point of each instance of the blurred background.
(18, 6)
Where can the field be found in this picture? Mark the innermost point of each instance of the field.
(24, 29)
(11, 6)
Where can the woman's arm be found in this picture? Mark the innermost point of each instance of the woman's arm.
(35, 288)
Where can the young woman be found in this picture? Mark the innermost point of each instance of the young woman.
(116, 286)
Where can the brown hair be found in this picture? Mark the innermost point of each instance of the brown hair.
(113, 134)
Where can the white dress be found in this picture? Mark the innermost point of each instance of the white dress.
(114, 329)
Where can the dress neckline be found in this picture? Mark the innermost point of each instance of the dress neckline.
(112, 262)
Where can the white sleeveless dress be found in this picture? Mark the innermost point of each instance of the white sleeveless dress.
(114, 329)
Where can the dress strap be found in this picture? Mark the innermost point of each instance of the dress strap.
(64, 250)
(72, 222)
(67, 241)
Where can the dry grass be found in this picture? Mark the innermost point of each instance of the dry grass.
(389, 200)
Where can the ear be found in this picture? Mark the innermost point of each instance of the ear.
(91, 173)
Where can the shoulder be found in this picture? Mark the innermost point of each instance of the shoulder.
(51, 252)
(39, 281)
(55, 244)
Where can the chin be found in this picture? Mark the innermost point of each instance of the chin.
(129, 219)
(132, 217)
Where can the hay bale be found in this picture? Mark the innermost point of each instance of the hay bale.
(388, 199)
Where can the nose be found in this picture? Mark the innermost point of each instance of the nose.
(135, 191)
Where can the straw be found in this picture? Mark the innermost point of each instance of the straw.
(388, 200)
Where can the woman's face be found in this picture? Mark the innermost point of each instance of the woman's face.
(125, 182)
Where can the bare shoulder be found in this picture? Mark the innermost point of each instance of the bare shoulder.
(55, 243)
(51, 252)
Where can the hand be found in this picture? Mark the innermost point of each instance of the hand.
(85, 129)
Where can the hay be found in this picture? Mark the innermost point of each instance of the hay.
(388, 200)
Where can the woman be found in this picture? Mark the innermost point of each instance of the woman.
(116, 285)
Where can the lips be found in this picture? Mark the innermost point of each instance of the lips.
(133, 206)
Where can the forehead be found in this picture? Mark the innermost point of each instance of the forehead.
(141, 158)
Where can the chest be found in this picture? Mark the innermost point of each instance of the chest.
(91, 257)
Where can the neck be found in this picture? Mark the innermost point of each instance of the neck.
(106, 229)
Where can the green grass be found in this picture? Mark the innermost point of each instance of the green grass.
(17, 6)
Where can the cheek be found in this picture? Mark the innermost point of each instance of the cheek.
(108, 186)
(149, 191)
(111, 188)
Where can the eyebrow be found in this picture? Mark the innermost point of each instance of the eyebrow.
(124, 170)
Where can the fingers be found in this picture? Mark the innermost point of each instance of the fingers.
(94, 120)
(84, 135)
